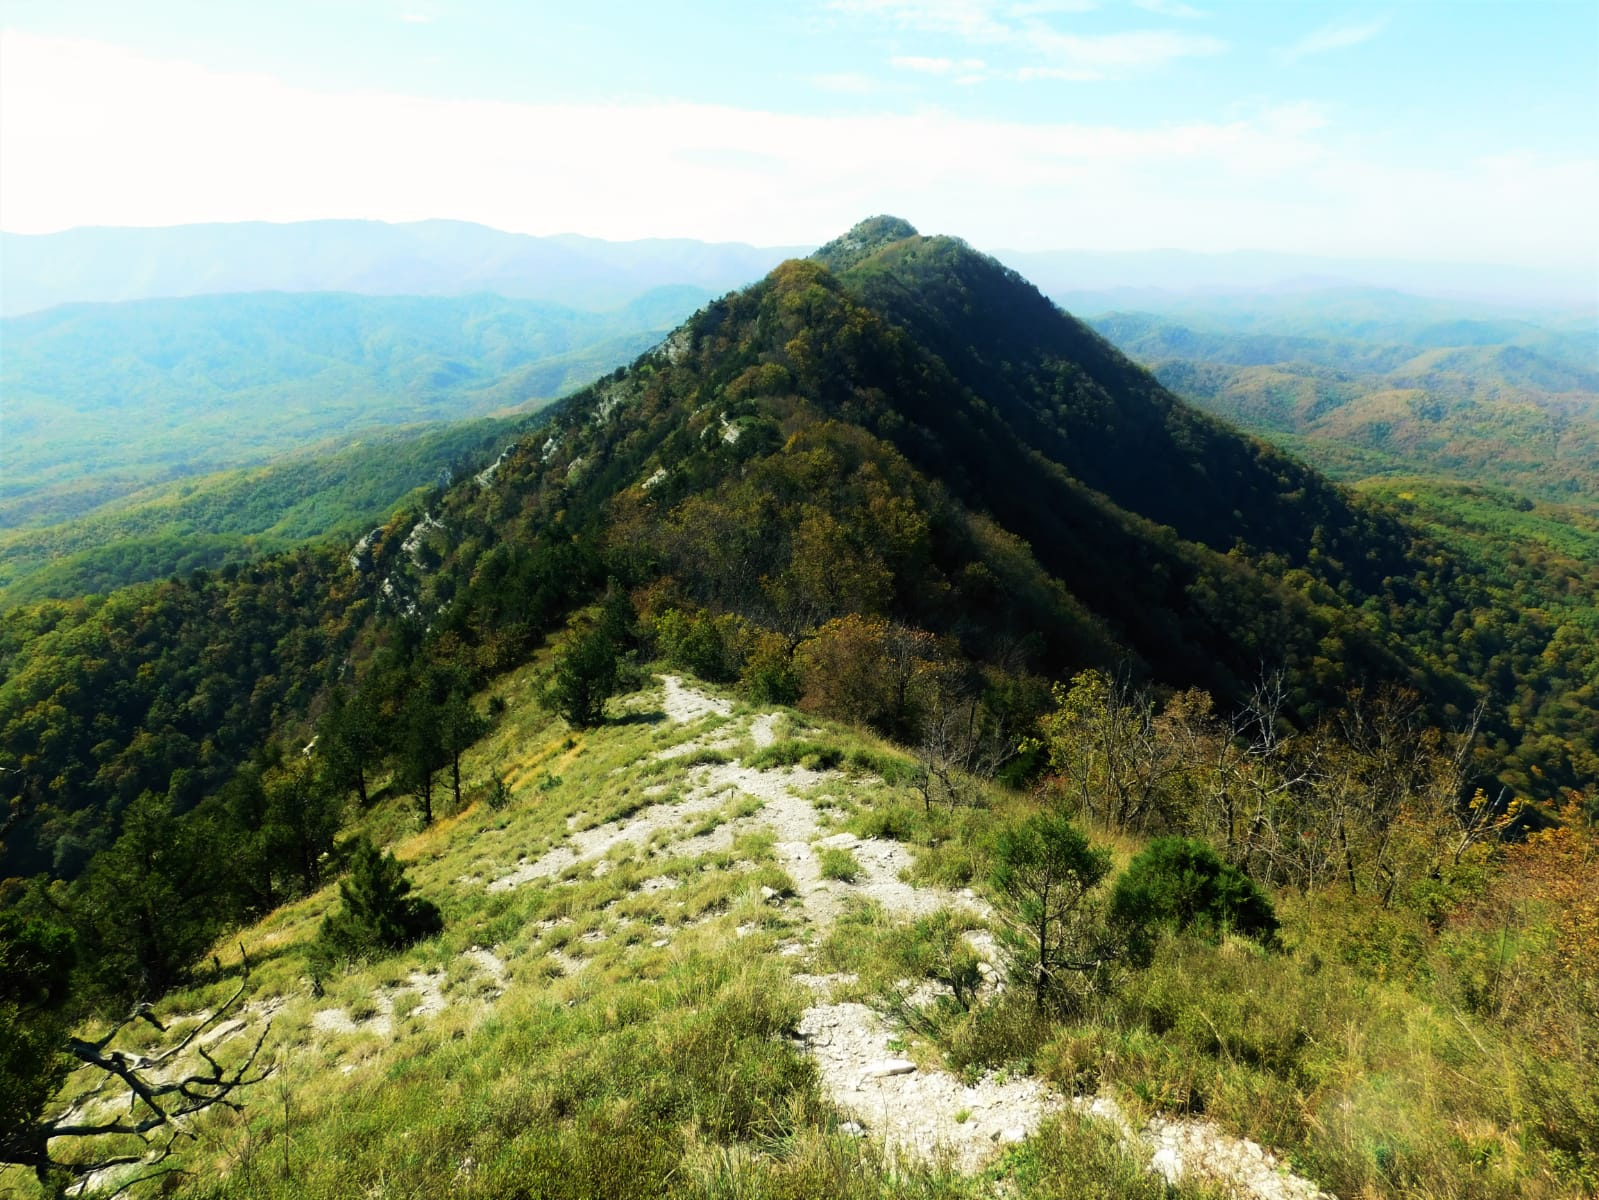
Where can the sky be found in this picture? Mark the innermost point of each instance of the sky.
(1434, 131)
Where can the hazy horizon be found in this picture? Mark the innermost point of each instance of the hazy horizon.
(99, 263)
(1430, 133)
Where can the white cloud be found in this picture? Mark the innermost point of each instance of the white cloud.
(415, 12)
(977, 20)
(1332, 37)
(846, 83)
(1170, 8)
(938, 66)
(1096, 56)
(1042, 51)
(92, 134)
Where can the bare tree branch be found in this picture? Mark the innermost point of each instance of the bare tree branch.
(157, 1102)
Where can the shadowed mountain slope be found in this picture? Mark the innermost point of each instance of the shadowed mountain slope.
(928, 377)
(824, 487)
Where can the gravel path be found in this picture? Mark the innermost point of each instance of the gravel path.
(929, 1112)
(925, 1113)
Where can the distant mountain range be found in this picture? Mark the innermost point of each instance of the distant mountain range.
(1385, 386)
(1163, 280)
(422, 258)
(455, 258)
(104, 399)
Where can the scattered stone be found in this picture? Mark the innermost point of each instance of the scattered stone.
(763, 730)
(1167, 1163)
(890, 1066)
(923, 1114)
(684, 704)
(222, 1032)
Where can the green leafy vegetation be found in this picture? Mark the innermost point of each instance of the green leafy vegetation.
(902, 496)
(1182, 883)
(101, 399)
(1475, 401)
(1048, 874)
(377, 913)
(36, 960)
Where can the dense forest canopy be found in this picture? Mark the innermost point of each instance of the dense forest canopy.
(894, 457)
(1361, 389)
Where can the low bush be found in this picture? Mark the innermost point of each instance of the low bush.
(793, 752)
(894, 769)
(1182, 884)
(378, 915)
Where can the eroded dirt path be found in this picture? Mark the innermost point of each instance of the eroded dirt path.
(911, 1105)
(912, 1108)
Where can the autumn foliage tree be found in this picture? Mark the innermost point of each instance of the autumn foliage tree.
(868, 670)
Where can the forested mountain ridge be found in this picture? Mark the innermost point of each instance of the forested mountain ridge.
(1479, 401)
(895, 453)
(1026, 417)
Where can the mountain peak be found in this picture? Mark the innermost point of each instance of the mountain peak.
(863, 240)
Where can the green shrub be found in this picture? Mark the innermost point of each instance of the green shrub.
(1181, 883)
(793, 752)
(378, 913)
(1045, 874)
(769, 675)
(587, 673)
(707, 646)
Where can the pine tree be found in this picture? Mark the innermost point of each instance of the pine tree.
(586, 675)
(350, 741)
(422, 750)
(378, 914)
(460, 725)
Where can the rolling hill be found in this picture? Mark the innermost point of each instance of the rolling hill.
(898, 440)
(924, 539)
(102, 400)
(422, 258)
(1369, 392)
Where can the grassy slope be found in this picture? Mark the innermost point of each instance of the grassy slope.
(634, 1046)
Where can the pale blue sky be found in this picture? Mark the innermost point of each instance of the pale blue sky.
(1446, 130)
